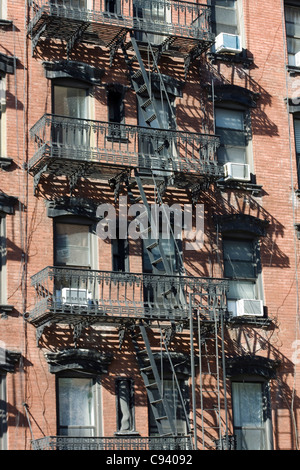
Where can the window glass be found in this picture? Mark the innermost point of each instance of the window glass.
(248, 415)
(297, 145)
(70, 101)
(292, 21)
(3, 412)
(152, 15)
(297, 134)
(224, 17)
(230, 127)
(76, 406)
(172, 397)
(240, 265)
(72, 245)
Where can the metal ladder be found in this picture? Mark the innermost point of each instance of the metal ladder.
(212, 382)
(147, 103)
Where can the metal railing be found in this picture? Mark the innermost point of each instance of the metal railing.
(101, 143)
(112, 443)
(174, 18)
(106, 296)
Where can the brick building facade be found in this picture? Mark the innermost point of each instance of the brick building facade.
(110, 108)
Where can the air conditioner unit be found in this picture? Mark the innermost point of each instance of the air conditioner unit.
(249, 307)
(225, 42)
(297, 59)
(73, 296)
(236, 171)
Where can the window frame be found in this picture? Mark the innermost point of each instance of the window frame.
(3, 412)
(297, 151)
(257, 281)
(246, 132)
(184, 387)
(3, 259)
(97, 399)
(130, 403)
(290, 4)
(266, 407)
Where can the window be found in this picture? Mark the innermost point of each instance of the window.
(230, 126)
(292, 24)
(3, 411)
(3, 293)
(78, 405)
(72, 245)
(297, 146)
(224, 17)
(120, 254)
(2, 118)
(73, 4)
(113, 6)
(125, 405)
(116, 114)
(153, 16)
(72, 102)
(75, 246)
(251, 415)
(158, 149)
(176, 406)
(242, 267)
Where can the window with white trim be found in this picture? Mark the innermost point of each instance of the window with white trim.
(251, 415)
(79, 402)
(171, 395)
(70, 99)
(243, 269)
(3, 411)
(225, 17)
(234, 130)
(297, 145)
(292, 26)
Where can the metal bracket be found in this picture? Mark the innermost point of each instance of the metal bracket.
(75, 37)
(116, 182)
(114, 45)
(37, 178)
(35, 39)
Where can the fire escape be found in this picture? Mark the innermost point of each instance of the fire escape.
(146, 157)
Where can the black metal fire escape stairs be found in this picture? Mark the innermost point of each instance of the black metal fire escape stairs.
(141, 82)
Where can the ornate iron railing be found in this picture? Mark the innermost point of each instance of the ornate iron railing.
(64, 294)
(112, 443)
(100, 21)
(63, 141)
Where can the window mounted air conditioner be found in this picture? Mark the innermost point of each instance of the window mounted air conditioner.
(225, 42)
(73, 296)
(236, 171)
(297, 59)
(249, 307)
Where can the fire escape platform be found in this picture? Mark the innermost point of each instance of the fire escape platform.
(101, 150)
(70, 296)
(186, 25)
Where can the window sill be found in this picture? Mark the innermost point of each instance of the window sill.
(292, 69)
(238, 58)
(5, 309)
(116, 138)
(254, 189)
(5, 23)
(5, 162)
(260, 322)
